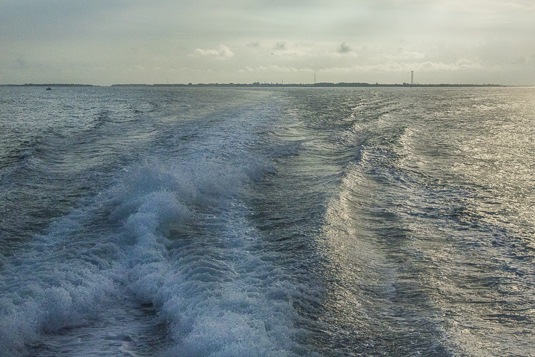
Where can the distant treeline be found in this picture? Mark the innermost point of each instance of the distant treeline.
(322, 84)
(258, 84)
(47, 85)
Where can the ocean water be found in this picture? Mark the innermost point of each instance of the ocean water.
(267, 221)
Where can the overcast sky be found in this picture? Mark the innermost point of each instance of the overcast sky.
(244, 41)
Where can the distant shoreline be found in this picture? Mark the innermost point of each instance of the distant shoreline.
(322, 84)
(258, 84)
(48, 85)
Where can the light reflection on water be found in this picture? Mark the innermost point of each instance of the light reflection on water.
(440, 217)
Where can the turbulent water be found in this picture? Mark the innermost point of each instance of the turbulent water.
(267, 222)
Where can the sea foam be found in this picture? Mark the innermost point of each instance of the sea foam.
(196, 258)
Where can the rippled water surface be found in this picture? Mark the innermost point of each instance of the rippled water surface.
(267, 222)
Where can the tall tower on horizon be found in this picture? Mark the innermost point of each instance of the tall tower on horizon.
(412, 77)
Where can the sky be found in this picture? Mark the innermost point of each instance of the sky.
(105, 42)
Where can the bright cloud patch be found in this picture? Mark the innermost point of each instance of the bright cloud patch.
(221, 52)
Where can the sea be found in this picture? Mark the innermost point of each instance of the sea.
(220, 221)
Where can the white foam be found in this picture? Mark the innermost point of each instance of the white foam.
(171, 233)
(217, 294)
(45, 295)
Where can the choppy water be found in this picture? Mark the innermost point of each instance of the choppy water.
(267, 222)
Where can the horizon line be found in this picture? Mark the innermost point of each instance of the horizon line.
(259, 84)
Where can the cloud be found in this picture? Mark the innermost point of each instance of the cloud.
(280, 46)
(406, 54)
(285, 51)
(343, 48)
(275, 68)
(253, 44)
(221, 52)
(421, 36)
(392, 66)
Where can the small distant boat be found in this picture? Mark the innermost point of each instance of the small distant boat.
(48, 88)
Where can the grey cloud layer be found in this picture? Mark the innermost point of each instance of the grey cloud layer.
(243, 41)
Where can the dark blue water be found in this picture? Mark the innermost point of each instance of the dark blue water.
(267, 222)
